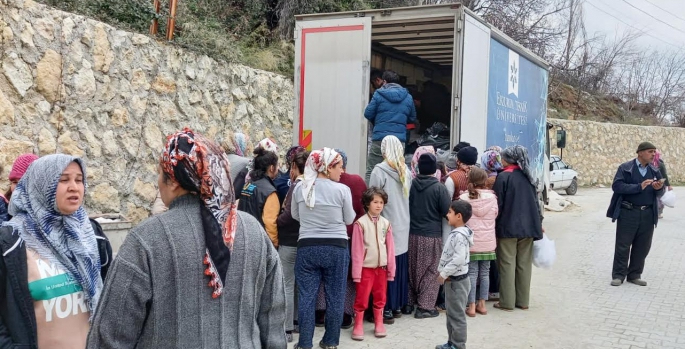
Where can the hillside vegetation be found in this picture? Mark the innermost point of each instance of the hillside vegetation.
(595, 78)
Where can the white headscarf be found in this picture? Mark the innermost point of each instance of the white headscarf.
(318, 162)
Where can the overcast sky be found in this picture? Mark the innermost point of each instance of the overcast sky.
(598, 19)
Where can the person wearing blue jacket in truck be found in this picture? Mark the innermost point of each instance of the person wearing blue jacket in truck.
(390, 110)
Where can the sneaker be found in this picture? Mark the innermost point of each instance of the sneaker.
(397, 314)
(493, 296)
(289, 336)
(388, 318)
(324, 346)
(444, 346)
(347, 322)
(638, 282)
(616, 282)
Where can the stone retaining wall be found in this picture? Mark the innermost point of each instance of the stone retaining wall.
(74, 85)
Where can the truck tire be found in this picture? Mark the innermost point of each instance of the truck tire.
(573, 188)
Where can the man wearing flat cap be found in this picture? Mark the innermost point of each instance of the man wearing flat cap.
(637, 187)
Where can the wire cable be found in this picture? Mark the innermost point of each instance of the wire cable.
(648, 14)
(640, 30)
(665, 10)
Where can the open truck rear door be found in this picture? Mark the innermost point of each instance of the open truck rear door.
(332, 59)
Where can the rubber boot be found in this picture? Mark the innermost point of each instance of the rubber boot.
(379, 331)
(358, 330)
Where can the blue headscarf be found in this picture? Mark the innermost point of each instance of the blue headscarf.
(344, 156)
(64, 240)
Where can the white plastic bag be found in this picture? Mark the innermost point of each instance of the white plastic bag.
(668, 199)
(544, 253)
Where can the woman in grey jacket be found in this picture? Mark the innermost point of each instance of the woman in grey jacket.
(199, 275)
(393, 176)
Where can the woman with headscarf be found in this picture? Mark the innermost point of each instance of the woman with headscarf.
(491, 162)
(324, 209)
(518, 224)
(658, 162)
(357, 188)
(288, 234)
(52, 261)
(19, 167)
(243, 176)
(200, 274)
(393, 176)
(426, 149)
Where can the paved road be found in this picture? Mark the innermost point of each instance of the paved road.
(572, 305)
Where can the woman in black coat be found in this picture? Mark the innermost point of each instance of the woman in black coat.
(518, 224)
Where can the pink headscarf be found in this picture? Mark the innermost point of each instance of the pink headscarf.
(426, 149)
(657, 157)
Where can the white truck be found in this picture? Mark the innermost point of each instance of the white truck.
(498, 88)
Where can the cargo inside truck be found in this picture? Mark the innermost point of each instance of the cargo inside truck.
(445, 53)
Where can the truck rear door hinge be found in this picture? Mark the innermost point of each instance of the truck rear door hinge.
(359, 14)
(456, 103)
(386, 13)
(460, 24)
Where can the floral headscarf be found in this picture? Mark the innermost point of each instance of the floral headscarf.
(240, 142)
(201, 167)
(318, 162)
(64, 240)
(415, 160)
(393, 154)
(290, 155)
(518, 155)
(491, 161)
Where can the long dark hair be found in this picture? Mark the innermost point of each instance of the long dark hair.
(300, 159)
(263, 159)
(477, 178)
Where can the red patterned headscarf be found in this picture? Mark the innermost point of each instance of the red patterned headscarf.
(201, 167)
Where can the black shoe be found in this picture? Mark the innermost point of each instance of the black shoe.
(347, 322)
(440, 307)
(396, 314)
(388, 318)
(407, 309)
(320, 320)
(424, 314)
(324, 346)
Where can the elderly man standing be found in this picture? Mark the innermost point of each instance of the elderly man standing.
(637, 186)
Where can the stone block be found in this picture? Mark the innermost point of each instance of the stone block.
(48, 77)
(105, 197)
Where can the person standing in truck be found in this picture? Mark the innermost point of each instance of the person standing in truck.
(390, 109)
(637, 187)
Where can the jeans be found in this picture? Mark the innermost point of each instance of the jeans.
(288, 256)
(373, 158)
(316, 264)
(479, 271)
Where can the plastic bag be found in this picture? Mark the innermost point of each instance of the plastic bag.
(668, 199)
(438, 136)
(544, 252)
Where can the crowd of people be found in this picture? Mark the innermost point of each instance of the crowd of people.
(254, 264)
(245, 248)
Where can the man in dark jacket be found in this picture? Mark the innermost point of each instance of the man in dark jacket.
(390, 109)
(428, 205)
(637, 187)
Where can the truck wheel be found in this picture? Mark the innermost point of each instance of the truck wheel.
(573, 188)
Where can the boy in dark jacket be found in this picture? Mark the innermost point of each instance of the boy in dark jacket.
(390, 110)
(428, 205)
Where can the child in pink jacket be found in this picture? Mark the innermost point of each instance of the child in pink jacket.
(373, 261)
(482, 223)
